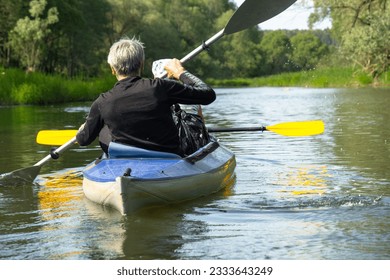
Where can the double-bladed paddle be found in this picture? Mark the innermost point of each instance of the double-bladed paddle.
(302, 128)
(250, 13)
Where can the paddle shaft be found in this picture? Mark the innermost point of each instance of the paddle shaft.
(236, 129)
(57, 151)
(203, 47)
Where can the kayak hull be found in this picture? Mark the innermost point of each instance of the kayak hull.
(129, 184)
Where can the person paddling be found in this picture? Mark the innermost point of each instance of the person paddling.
(137, 111)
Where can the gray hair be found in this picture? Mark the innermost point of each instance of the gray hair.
(126, 56)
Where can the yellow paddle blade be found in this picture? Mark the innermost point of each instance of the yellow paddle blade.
(55, 137)
(304, 128)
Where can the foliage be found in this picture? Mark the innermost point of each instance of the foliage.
(10, 13)
(28, 35)
(307, 50)
(19, 87)
(292, 51)
(241, 55)
(77, 44)
(338, 77)
(277, 50)
(362, 28)
(70, 39)
(369, 45)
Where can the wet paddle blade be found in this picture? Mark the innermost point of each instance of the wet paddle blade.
(55, 137)
(304, 128)
(20, 177)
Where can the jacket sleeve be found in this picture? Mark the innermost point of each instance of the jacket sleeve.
(92, 126)
(192, 90)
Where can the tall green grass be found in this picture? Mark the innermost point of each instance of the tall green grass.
(319, 78)
(19, 87)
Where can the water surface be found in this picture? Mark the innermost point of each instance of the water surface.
(322, 197)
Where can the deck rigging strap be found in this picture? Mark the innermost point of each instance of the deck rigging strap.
(201, 154)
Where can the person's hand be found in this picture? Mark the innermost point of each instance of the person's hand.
(174, 68)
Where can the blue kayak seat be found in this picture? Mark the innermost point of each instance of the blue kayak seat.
(117, 150)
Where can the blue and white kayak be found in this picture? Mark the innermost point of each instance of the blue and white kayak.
(132, 178)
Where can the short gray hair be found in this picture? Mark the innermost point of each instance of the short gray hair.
(126, 56)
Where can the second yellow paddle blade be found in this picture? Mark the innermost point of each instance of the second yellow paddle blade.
(55, 137)
(304, 128)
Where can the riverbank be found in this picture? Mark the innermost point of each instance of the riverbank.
(318, 78)
(18, 87)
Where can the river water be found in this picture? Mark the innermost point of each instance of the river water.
(306, 198)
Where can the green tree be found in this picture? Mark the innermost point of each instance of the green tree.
(362, 28)
(369, 45)
(10, 12)
(126, 17)
(28, 36)
(78, 43)
(307, 50)
(241, 55)
(277, 49)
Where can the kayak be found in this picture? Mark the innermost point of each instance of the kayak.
(131, 178)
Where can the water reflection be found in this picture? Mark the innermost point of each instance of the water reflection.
(19, 218)
(361, 132)
(153, 235)
(59, 191)
(19, 126)
(305, 180)
(160, 233)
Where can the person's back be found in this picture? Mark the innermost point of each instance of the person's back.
(137, 111)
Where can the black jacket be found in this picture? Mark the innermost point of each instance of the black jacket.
(137, 112)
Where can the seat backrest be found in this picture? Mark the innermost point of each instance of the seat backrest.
(117, 150)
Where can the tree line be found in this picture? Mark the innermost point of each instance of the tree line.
(72, 37)
(362, 30)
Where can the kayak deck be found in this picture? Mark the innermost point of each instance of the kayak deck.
(110, 169)
(128, 184)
